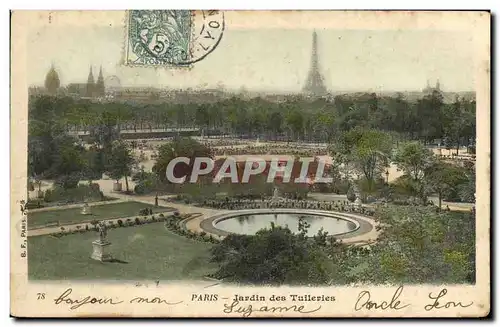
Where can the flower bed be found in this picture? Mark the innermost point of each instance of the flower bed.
(119, 223)
(174, 225)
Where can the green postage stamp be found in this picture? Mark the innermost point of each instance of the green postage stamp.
(171, 37)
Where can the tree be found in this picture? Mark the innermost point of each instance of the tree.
(180, 147)
(430, 114)
(467, 190)
(420, 245)
(368, 150)
(120, 162)
(454, 123)
(414, 159)
(459, 121)
(104, 130)
(324, 125)
(295, 122)
(46, 134)
(275, 124)
(68, 162)
(93, 165)
(445, 179)
(146, 183)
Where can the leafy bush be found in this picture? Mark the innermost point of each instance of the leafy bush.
(146, 183)
(120, 222)
(146, 211)
(140, 189)
(287, 259)
(137, 221)
(47, 195)
(33, 205)
(341, 187)
(68, 181)
(79, 194)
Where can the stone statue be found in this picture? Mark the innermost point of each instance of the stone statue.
(103, 232)
(357, 201)
(86, 209)
(276, 193)
(101, 246)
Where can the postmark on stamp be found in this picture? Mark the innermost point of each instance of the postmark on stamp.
(171, 37)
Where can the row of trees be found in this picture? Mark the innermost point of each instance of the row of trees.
(54, 154)
(320, 120)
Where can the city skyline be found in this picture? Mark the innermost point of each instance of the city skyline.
(112, 80)
(274, 60)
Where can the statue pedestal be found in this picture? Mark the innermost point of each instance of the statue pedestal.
(101, 251)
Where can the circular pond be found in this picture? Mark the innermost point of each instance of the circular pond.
(249, 223)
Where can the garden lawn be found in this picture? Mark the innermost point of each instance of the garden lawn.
(99, 212)
(147, 252)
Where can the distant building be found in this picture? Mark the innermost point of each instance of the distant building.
(428, 89)
(90, 89)
(315, 85)
(52, 82)
(99, 90)
(95, 89)
(137, 94)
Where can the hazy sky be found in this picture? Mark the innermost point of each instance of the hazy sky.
(269, 59)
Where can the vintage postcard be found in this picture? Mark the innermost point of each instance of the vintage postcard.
(244, 164)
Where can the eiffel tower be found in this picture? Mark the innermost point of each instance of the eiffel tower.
(315, 85)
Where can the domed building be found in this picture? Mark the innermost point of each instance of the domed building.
(52, 82)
